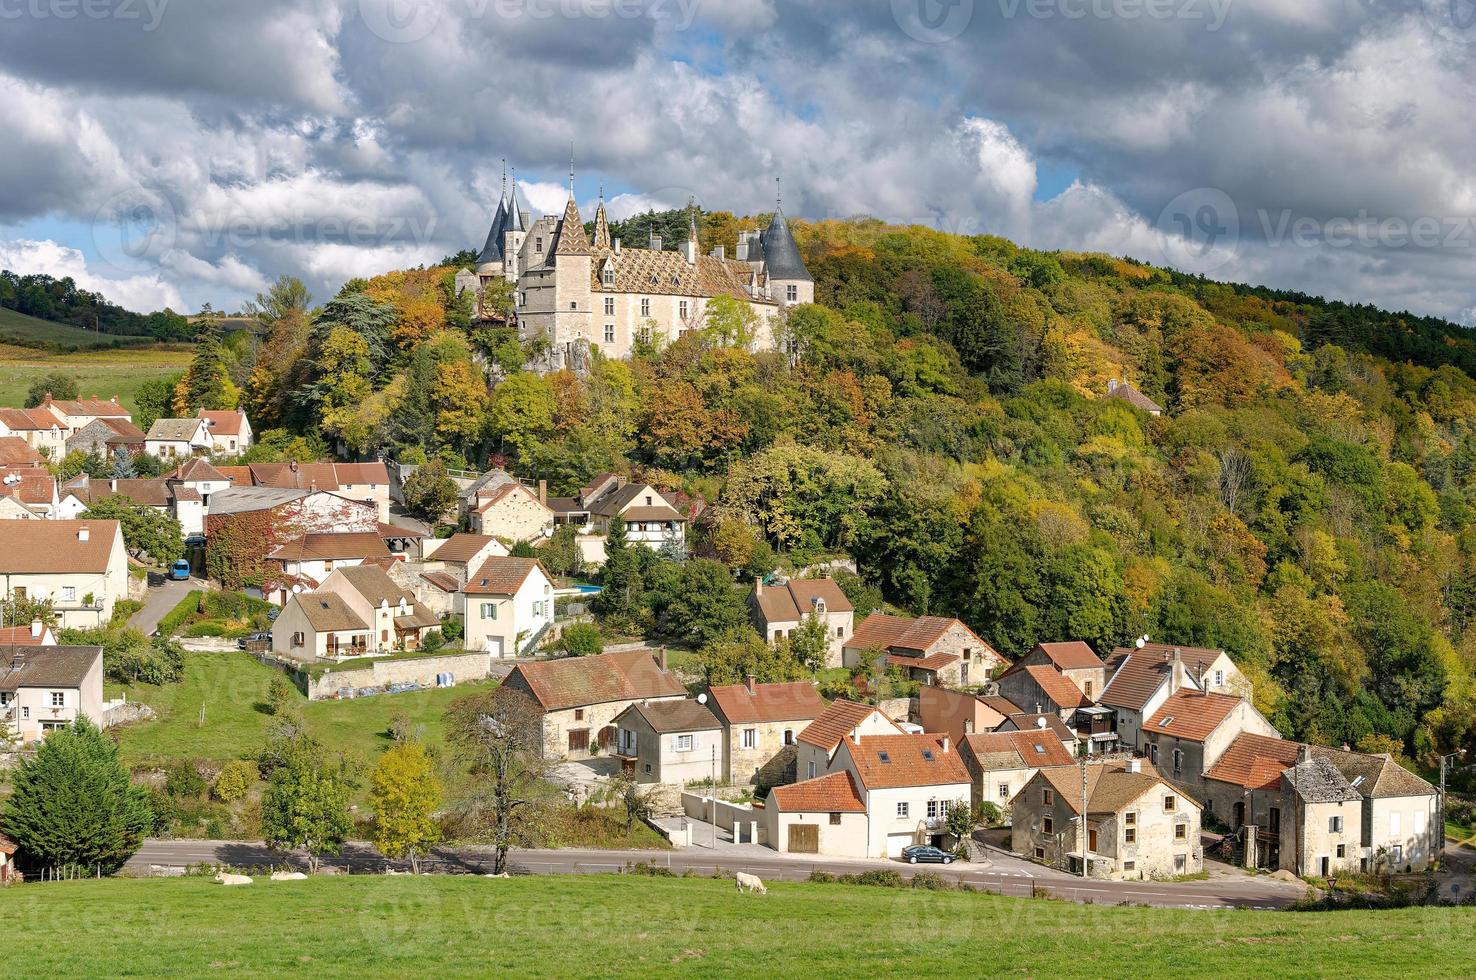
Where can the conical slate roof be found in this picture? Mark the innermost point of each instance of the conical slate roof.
(781, 255)
(492, 251)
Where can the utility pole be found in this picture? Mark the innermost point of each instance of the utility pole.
(1085, 860)
(1440, 831)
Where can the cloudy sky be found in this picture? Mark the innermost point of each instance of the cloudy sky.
(187, 151)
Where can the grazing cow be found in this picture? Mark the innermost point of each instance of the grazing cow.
(230, 879)
(288, 876)
(751, 883)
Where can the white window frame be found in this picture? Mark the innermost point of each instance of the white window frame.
(69, 593)
(489, 610)
(749, 738)
(645, 306)
(609, 306)
(683, 743)
(609, 333)
(58, 699)
(904, 809)
(792, 291)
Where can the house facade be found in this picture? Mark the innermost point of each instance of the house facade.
(778, 610)
(761, 726)
(507, 606)
(81, 567)
(959, 714)
(229, 432)
(841, 721)
(396, 620)
(930, 649)
(178, 438)
(671, 742)
(579, 698)
(322, 626)
(1192, 729)
(1140, 679)
(43, 688)
(908, 783)
(1139, 826)
(1001, 763)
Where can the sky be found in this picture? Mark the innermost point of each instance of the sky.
(179, 152)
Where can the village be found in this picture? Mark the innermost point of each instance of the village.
(1148, 762)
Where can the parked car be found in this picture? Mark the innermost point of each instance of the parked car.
(926, 854)
(245, 642)
(179, 571)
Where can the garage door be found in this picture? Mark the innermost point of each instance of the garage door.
(895, 843)
(494, 646)
(804, 838)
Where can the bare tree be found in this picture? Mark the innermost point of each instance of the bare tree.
(500, 737)
(1235, 472)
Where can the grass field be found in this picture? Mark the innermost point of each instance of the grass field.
(636, 926)
(103, 373)
(13, 324)
(230, 686)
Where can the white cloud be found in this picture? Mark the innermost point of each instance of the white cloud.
(143, 292)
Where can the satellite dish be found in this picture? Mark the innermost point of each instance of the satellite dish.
(1141, 641)
(702, 699)
(1040, 722)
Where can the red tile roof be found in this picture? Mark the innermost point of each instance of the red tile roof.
(1134, 674)
(502, 576)
(1074, 655)
(328, 546)
(15, 451)
(1191, 714)
(1254, 761)
(28, 419)
(836, 722)
(1058, 687)
(223, 423)
(895, 761)
(28, 484)
(791, 701)
(461, 547)
(54, 547)
(934, 662)
(835, 793)
(788, 602)
(1031, 750)
(579, 681)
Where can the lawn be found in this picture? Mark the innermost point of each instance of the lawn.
(231, 687)
(103, 373)
(637, 926)
(20, 326)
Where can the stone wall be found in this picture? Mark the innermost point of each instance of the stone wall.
(382, 673)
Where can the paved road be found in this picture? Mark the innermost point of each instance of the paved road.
(158, 602)
(1212, 894)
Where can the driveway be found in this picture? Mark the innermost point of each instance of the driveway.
(159, 601)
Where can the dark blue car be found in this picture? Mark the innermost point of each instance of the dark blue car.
(926, 854)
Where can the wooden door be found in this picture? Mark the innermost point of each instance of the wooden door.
(804, 838)
(1092, 839)
(607, 737)
(579, 740)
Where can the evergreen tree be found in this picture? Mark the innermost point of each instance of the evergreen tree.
(73, 805)
(306, 801)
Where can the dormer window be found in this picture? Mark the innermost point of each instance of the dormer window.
(608, 276)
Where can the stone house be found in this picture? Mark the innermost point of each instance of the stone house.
(507, 607)
(672, 742)
(498, 505)
(1139, 679)
(580, 697)
(1139, 826)
(1059, 677)
(843, 720)
(398, 621)
(43, 688)
(249, 522)
(105, 436)
(81, 567)
(75, 414)
(651, 517)
(1192, 729)
(761, 726)
(1001, 763)
(462, 553)
(930, 649)
(178, 438)
(777, 610)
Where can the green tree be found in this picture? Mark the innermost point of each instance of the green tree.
(306, 801)
(146, 531)
(405, 794)
(809, 643)
(58, 384)
(582, 640)
(522, 412)
(740, 653)
(705, 603)
(74, 806)
(235, 780)
(429, 493)
(155, 400)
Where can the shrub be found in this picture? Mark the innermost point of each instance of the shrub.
(582, 640)
(175, 618)
(649, 870)
(183, 780)
(931, 881)
(279, 693)
(453, 629)
(235, 780)
(432, 641)
(876, 879)
(822, 878)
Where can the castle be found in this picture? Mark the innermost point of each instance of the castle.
(602, 294)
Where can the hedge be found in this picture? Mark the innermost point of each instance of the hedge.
(175, 618)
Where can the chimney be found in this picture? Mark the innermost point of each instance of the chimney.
(748, 682)
(1303, 753)
(1134, 766)
(84, 533)
(617, 246)
(689, 251)
(655, 243)
(944, 743)
(758, 586)
(37, 628)
(47, 400)
(720, 253)
(661, 659)
(543, 492)
(18, 662)
(741, 252)
(968, 726)
(1177, 671)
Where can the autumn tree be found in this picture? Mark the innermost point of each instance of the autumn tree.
(405, 793)
(499, 737)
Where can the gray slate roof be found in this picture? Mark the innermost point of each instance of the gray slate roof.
(781, 254)
(175, 430)
(492, 251)
(1318, 781)
(243, 500)
(46, 666)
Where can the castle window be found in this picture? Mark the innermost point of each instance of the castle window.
(682, 309)
(609, 306)
(609, 333)
(573, 304)
(793, 294)
(645, 306)
(538, 244)
(609, 276)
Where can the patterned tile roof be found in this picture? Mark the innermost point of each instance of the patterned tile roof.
(663, 273)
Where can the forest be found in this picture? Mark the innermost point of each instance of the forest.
(1306, 501)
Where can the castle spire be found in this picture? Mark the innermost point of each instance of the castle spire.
(514, 213)
(778, 195)
(602, 223)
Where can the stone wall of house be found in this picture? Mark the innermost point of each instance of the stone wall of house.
(382, 673)
(770, 762)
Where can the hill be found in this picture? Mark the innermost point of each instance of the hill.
(120, 372)
(28, 331)
(637, 926)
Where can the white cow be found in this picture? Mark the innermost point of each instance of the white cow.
(751, 883)
(288, 876)
(230, 879)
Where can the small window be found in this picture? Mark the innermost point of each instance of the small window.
(1170, 804)
(1178, 762)
(1219, 678)
(840, 632)
(58, 699)
(299, 639)
(1130, 865)
(1130, 818)
(793, 292)
(1088, 688)
(1004, 791)
(903, 809)
(932, 809)
(812, 770)
(684, 743)
(648, 769)
(609, 306)
(1048, 826)
(538, 244)
(69, 593)
(609, 333)
(578, 714)
(609, 276)
(1047, 797)
(927, 755)
(789, 736)
(884, 757)
(489, 610)
(1181, 831)
(1130, 835)
(682, 309)
(573, 304)
(1335, 825)
(835, 819)
(1040, 854)
(1039, 749)
(750, 737)
(645, 306)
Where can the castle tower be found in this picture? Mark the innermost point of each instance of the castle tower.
(790, 282)
(514, 233)
(572, 258)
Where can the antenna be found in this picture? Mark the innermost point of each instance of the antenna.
(504, 176)
(779, 194)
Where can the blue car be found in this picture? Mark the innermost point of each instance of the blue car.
(179, 571)
(924, 854)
